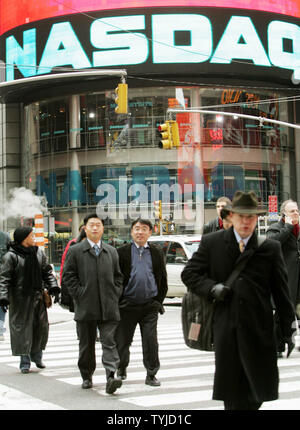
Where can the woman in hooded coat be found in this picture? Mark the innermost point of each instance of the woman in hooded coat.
(24, 275)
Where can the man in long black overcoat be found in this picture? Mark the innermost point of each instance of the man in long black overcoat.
(246, 372)
(287, 232)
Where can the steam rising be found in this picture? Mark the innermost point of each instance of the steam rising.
(21, 203)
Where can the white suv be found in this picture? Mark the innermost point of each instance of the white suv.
(178, 250)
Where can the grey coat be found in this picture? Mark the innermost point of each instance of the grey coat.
(290, 245)
(211, 226)
(25, 340)
(94, 283)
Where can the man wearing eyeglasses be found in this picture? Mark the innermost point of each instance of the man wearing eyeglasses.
(94, 281)
(145, 287)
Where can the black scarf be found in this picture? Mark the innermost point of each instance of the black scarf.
(32, 278)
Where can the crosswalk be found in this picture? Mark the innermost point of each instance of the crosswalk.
(186, 375)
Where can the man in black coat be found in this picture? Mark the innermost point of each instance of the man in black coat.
(93, 278)
(217, 223)
(246, 372)
(24, 275)
(286, 231)
(145, 287)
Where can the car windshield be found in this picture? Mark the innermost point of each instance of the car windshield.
(192, 246)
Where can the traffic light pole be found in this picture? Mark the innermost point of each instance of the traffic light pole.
(261, 119)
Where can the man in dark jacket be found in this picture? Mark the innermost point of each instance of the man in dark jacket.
(23, 275)
(246, 372)
(217, 223)
(93, 278)
(145, 287)
(286, 231)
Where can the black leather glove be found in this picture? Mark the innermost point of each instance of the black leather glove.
(290, 345)
(220, 292)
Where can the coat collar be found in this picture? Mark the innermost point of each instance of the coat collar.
(233, 247)
(87, 247)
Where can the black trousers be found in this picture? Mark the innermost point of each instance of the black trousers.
(146, 316)
(87, 332)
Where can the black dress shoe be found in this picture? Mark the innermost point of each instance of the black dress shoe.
(151, 380)
(122, 374)
(113, 384)
(40, 365)
(24, 370)
(87, 383)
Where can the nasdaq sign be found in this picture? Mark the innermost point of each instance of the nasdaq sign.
(155, 40)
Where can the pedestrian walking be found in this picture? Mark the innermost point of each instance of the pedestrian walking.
(66, 300)
(225, 215)
(24, 274)
(145, 287)
(286, 231)
(4, 242)
(246, 372)
(93, 278)
(217, 223)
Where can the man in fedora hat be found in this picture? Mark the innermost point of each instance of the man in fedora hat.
(246, 372)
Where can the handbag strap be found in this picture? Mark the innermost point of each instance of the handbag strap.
(238, 269)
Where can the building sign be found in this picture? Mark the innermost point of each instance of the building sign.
(209, 40)
(16, 13)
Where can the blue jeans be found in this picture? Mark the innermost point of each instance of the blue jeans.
(2, 319)
(25, 360)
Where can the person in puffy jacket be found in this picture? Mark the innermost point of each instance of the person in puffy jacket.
(23, 276)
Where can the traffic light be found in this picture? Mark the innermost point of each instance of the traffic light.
(175, 133)
(169, 135)
(121, 98)
(166, 137)
(158, 209)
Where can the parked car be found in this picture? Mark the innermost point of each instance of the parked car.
(178, 250)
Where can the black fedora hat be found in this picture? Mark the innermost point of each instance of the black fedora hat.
(246, 203)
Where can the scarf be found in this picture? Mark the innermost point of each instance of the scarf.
(220, 223)
(32, 276)
(296, 228)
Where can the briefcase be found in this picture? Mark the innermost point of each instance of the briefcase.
(197, 318)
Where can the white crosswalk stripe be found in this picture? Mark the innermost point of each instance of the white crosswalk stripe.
(186, 375)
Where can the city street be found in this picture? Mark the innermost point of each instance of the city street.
(186, 375)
